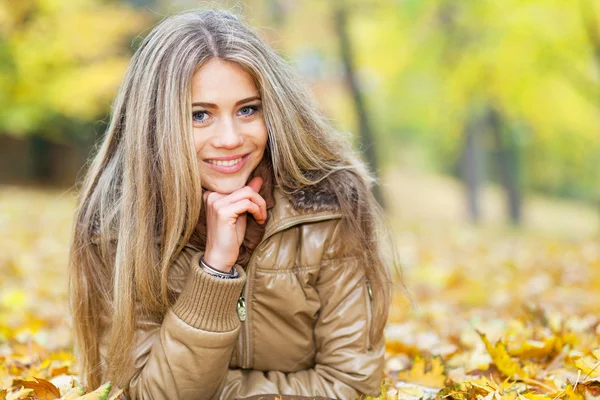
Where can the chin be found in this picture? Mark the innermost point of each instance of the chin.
(225, 186)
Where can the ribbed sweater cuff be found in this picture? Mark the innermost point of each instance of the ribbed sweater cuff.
(209, 303)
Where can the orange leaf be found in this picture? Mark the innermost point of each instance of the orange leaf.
(60, 371)
(43, 389)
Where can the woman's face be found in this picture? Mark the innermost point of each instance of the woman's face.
(230, 135)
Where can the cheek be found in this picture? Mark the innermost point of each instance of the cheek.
(199, 141)
(260, 135)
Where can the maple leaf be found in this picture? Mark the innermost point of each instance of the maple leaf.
(43, 389)
(433, 377)
(506, 390)
(502, 359)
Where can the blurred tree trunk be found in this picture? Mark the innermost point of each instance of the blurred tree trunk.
(471, 167)
(472, 171)
(366, 140)
(40, 159)
(507, 165)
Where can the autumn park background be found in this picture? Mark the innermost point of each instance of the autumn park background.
(481, 118)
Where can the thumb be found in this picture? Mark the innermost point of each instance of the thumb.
(255, 183)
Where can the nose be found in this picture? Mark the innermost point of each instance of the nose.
(228, 136)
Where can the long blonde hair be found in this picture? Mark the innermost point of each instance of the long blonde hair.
(144, 182)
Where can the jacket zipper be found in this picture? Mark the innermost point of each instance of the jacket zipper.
(242, 307)
(242, 314)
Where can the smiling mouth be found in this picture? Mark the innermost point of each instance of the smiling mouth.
(225, 163)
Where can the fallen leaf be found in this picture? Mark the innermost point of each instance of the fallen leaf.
(20, 393)
(74, 393)
(590, 367)
(502, 359)
(534, 348)
(432, 377)
(43, 389)
(99, 394)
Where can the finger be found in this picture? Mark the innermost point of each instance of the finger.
(210, 198)
(233, 211)
(244, 193)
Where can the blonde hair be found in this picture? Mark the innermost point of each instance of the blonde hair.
(144, 182)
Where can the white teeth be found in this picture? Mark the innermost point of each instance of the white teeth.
(225, 163)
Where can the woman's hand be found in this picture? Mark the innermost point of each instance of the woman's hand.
(226, 222)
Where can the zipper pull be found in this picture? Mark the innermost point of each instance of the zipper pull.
(241, 308)
(369, 290)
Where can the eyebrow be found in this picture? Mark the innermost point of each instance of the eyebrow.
(212, 105)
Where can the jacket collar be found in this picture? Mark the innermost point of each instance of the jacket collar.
(306, 205)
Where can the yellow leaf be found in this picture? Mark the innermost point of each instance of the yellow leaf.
(589, 367)
(21, 393)
(571, 394)
(534, 348)
(533, 396)
(434, 377)
(502, 359)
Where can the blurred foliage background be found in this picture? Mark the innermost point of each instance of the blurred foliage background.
(489, 103)
(480, 117)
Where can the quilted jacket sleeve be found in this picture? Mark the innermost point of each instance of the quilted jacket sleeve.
(347, 364)
(187, 355)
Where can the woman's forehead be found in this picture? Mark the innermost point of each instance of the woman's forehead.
(220, 81)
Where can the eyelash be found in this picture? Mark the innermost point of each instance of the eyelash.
(255, 108)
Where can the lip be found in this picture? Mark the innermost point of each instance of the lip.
(228, 169)
(226, 158)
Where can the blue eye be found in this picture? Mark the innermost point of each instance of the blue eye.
(200, 116)
(247, 111)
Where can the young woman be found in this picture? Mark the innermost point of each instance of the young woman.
(226, 242)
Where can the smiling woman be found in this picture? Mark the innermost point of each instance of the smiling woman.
(230, 135)
(226, 243)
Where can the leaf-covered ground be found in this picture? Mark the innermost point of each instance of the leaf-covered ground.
(488, 314)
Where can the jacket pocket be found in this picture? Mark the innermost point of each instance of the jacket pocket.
(369, 308)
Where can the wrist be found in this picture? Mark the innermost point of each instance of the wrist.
(217, 273)
(217, 263)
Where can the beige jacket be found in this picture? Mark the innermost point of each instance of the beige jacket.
(296, 322)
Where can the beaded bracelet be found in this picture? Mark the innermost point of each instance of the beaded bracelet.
(219, 274)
